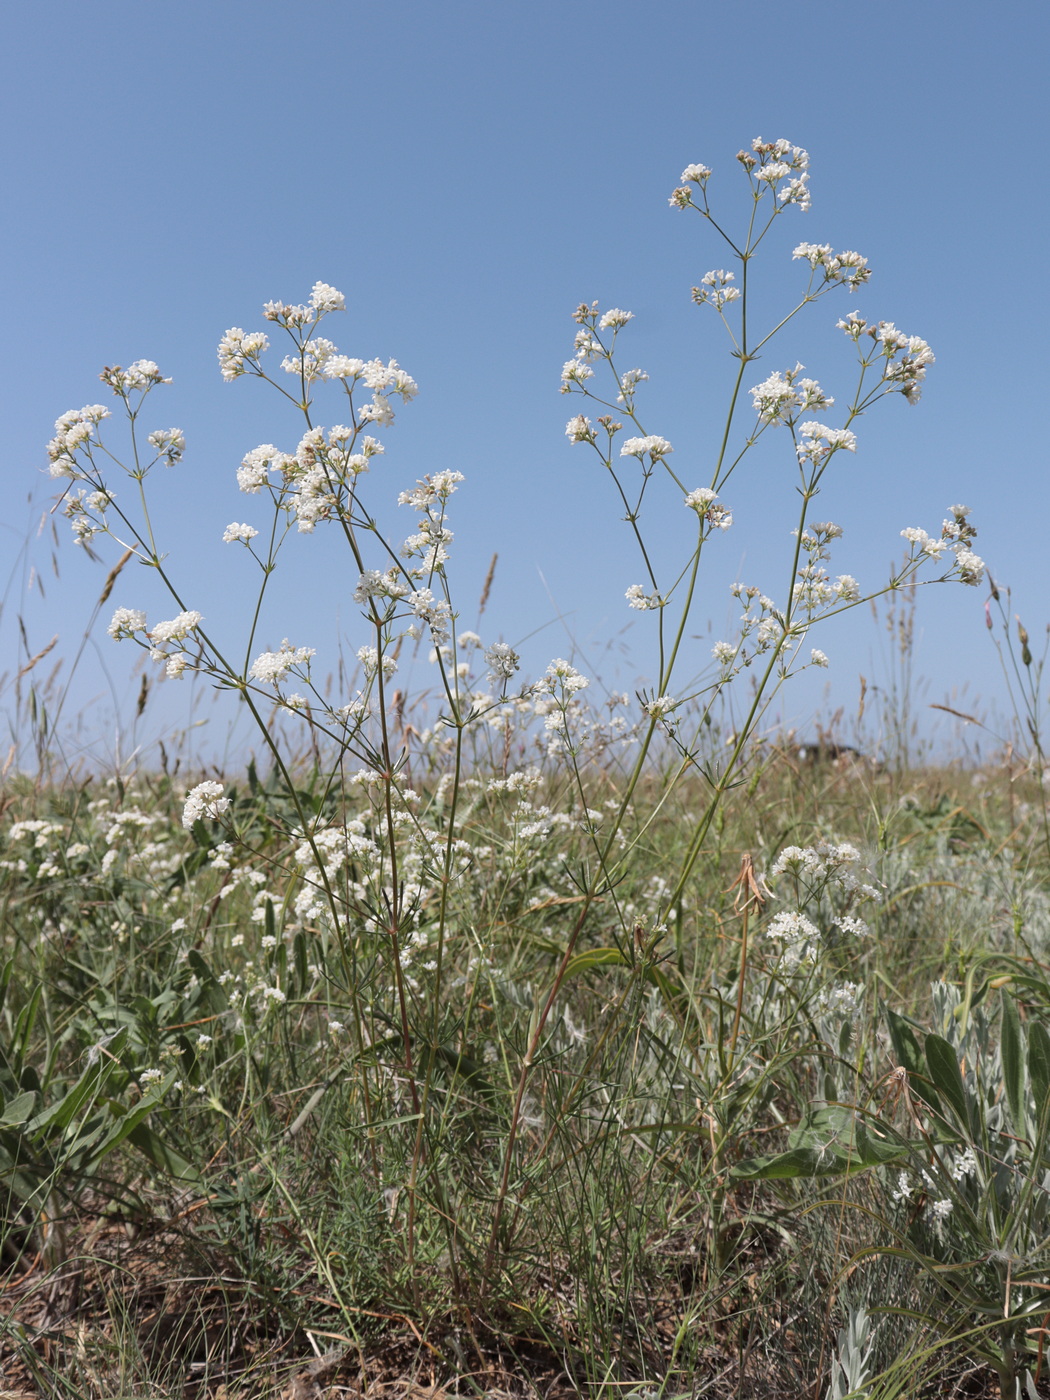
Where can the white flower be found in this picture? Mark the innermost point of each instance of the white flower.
(714, 289)
(852, 324)
(818, 441)
(629, 381)
(963, 1164)
(253, 473)
(723, 652)
(326, 298)
(234, 532)
(775, 399)
(615, 319)
(970, 565)
(239, 352)
(149, 1077)
(640, 446)
(818, 658)
(177, 629)
(141, 375)
(126, 622)
(502, 660)
(435, 612)
(579, 429)
(638, 598)
(561, 676)
(272, 666)
(169, 443)
(369, 659)
(205, 799)
(849, 923)
(847, 588)
(700, 499)
(661, 706)
(697, 174)
(791, 928)
(574, 372)
(843, 1002)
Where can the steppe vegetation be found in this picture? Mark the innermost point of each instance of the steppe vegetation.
(527, 1039)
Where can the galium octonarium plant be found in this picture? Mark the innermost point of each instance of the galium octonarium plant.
(379, 870)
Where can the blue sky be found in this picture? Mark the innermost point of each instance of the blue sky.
(466, 174)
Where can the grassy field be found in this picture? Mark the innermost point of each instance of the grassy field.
(520, 1039)
(513, 1131)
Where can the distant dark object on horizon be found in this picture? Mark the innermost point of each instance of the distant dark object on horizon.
(823, 751)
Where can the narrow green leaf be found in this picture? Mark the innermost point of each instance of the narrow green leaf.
(595, 957)
(945, 1073)
(26, 1022)
(1012, 1051)
(1039, 1062)
(799, 1162)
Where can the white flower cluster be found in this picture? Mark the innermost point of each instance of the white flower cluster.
(629, 381)
(239, 352)
(579, 429)
(169, 443)
(430, 543)
(641, 601)
(956, 535)
(849, 269)
(841, 1003)
(816, 442)
(435, 612)
(72, 432)
(827, 864)
(373, 584)
(711, 511)
(798, 937)
(782, 396)
(370, 663)
(87, 512)
(775, 166)
(779, 162)
(827, 870)
(125, 622)
(502, 660)
(205, 800)
(242, 533)
(270, 667)
(314, 481)
(653, 447)
(714, 289)
(254, 472)
(177, 630)
(660, 707)
(588, 347)
(139, 377)
(905, 357)
(317, 358)
(561, 679)
(814, 588)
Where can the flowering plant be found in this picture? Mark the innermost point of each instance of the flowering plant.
(373, 864)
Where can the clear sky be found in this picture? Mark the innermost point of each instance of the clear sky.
(466, 173)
